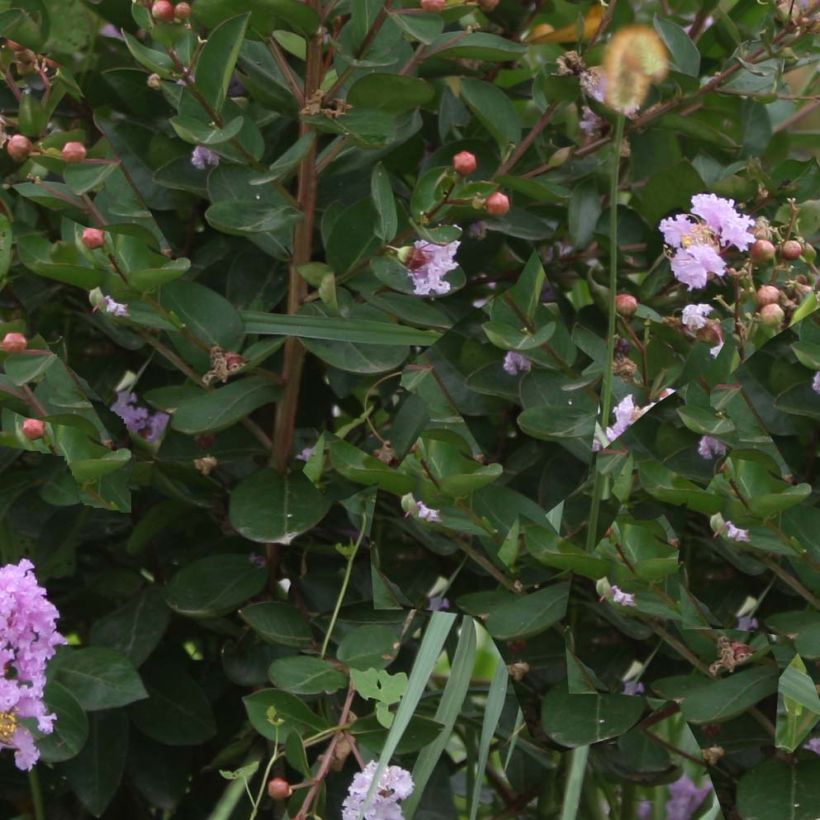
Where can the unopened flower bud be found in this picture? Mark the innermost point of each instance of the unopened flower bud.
(771, 315)
(279, 788)
(163, 11)
(73, 152)
(154, 81)
(182, 11)
(14, 343)
(464, 163)
(809, 253)
(762, 251)
(433, 6)
(18, 147)
(34, 429)
(767, 295)
(93, 238)
(497, 204)
(791, 250)
(626, 304)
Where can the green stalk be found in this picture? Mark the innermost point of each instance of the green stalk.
(606, 389)
(574, 782)
(36, 794)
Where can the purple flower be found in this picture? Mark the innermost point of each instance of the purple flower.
(428, 264)
(719, 214)
(515, 363)
(645, 810)
(438, 603)
(709, 447)
(685, 798)
(590, 123)
(113, 308)
(621, 597)
(693, 264)
(735, 533)
(395, 784)
(202, 158)
(678, 230)
(694, 316)
(306, 453)
(815, 382)
(138, 419)
(633, 687)
(426, 513)
(747, 623)
(28, 638)
(813, 745)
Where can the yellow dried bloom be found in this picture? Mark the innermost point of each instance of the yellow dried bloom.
(635, 58)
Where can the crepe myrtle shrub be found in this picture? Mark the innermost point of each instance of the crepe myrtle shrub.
(409, 410)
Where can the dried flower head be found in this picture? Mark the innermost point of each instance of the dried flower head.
(635, 58)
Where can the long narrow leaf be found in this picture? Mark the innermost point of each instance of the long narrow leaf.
(449, 708)
(431, 645)
(492, 713)
(333, 329)
(575, 779)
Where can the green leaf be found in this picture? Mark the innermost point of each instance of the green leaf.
(279, 623)
(393, 93)
(213, 586)
(578, 720)
(199, 133)
(100, 678)
(271, 508)
(368, 647)
(526, 615)
(547, 547)
(136, 628)
(302, 675)
(584, 210)
(288, 161)
(294, 714)
(266, 15)
(787, 791)
(494, 110)
(177, 712)
(684, 53)
(242, 217)
(217, 60)
(382, 194)
(23, 369)
(5, 249)
(798, 708)
(705, 422)
(224, 407)
(70, 727)
(725, 698)
(476, 46)
(95, 773)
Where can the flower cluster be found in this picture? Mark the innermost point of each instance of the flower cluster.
(515, 363)
(202, 158)
(139, 419)
(710, 448)
(633, 688)
(112, 307)
(622, 598)
(697, 239)
(735, 533)
(626, 413)
(685, 798)
(428, 264)
(28, 638)
(395, 784)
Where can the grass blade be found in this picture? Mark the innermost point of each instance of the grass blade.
(449, 708)
(492, 713)
(431, 645)
(575, 779)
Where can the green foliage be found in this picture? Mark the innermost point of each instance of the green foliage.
(327, 443)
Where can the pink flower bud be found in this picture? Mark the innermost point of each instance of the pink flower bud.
(771, 315)
(73, 152)
(767, 295)
(464, 163)
(279, 788)
(18, 147)
(497, 204)
(626, 304)
(34, 429)
(762, 251)
(182, 11)
(14, 343)
(791, 250)
(93, 238)
(433, 6)
(163, 11)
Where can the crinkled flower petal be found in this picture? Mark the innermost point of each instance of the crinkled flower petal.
(692, 265)
(676, 228)
(694, 316)
(732, 227)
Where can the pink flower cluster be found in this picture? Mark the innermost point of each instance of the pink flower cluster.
(428, 264)
(697, 238)
(28, 638)
(395, 784)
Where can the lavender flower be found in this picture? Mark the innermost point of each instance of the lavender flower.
(426, 513)
(694, 316)
(685, 798)
(746, 623)
(515, 363)
(108, 305)
(438, 603)
(202, 158)
(306, 453)
(621, 597)
(813, 745)
(395, 784)
(645, 810)
(428, 264)
(815, 382)
(633, 687)
(693, 265)
(624, 416)
(709, 447)
(139, 419)
(735, 533)
(677, 229)
(28, 638)
(720, 216)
